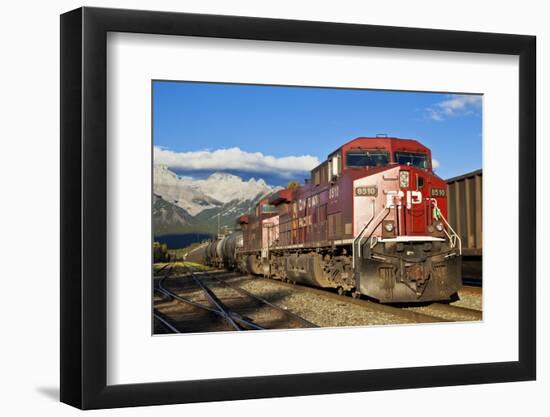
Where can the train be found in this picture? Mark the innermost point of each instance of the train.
(222, 252)
(370, 220)
(465, 202)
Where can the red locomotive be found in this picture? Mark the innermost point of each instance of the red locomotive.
(371, 220)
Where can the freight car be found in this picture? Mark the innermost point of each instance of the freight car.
(370, 220)
(220, 253)
(466, 217)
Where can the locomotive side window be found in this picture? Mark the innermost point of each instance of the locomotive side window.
(367, 158)
(317, 177)
(334, 166)
(419, 160)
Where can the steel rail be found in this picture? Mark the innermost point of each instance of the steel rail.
(248, 294)
(410, 312)
(410, 315)
(177, 297)
(165, 323)
(264, 301)
(156, 273)
(233, 316)
(216, 302)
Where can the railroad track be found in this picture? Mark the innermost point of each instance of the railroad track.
(165, 323)
(208, 303)
(408, 315)
(449, 312)
(167, 267)
(430, 313)
(238, 317)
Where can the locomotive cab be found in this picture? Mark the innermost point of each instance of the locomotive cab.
(403, 247)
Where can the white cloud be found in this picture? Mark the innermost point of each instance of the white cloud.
(435, 163)
(234, 159)
(455, 105)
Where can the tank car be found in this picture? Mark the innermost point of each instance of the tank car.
(222, 252)
(370, 220)
(197, 254)
(211, 254)
(230, 245)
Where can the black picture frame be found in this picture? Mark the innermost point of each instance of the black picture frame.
(84, 207)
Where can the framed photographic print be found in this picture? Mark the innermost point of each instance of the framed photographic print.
(335, 207)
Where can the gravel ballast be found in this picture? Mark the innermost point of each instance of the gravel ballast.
(470, 298)
(322, 311)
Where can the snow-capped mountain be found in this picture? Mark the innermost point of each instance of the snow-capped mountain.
(197, 195)
(207, 220)
(180, 191)
(185, 205)
(227, 187)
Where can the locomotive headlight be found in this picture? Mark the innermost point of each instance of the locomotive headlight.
(439, 227)
(404, 179)
(388, 228)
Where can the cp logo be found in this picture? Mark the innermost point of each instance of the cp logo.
(394, 198)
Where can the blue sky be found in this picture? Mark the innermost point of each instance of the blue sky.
(279, 133)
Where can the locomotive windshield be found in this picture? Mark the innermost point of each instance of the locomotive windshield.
(367, 158)
(419, 160)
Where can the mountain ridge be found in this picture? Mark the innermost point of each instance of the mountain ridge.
(185, 205)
